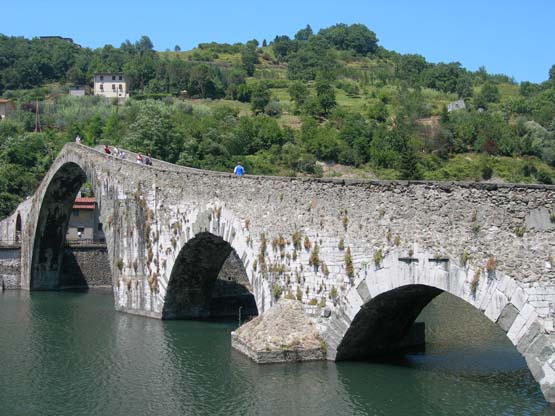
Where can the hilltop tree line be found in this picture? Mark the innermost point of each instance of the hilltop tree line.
(356, 104)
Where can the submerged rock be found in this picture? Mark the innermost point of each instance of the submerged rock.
(282, 334)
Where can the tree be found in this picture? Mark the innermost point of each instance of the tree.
(489, 92)
(298, 92)
(304, 34)
(325, 94)
(283, 46)
(552, 73)
(408, 167)
(177, 48)
(314, 57)
(206, 81)
(357, 38)
(249, 57)
(260, 97)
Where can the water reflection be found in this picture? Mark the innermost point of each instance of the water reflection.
(71, 354)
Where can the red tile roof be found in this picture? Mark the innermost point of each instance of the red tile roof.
(84, 203)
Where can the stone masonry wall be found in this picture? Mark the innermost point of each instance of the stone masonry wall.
(10, 267)
(86, 266)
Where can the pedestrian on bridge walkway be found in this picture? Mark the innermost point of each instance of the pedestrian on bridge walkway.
(239, 170)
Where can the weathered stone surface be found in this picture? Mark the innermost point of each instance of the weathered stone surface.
(282, 334)
(10, 267)
(86, 266)
(154, 218)
(507, 317)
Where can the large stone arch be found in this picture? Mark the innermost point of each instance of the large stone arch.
(46, 224)
(381, 307)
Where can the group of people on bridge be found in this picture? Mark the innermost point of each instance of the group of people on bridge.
(238, 171)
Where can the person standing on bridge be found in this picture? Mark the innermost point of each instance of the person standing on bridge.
(107, 149)
(239, 170)
(139, 158)
(77, 139)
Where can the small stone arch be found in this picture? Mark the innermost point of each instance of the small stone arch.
(193, 277)
(210, 236)
(18, 226)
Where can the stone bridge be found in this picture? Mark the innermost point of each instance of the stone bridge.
(362, 257)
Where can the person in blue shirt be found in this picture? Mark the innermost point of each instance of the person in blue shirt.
(239, 170)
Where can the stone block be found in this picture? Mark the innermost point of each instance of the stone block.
(507, 317)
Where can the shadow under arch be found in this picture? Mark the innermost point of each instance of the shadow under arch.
(383, 323)
(194, 281)
(18, 228)
(49, 243)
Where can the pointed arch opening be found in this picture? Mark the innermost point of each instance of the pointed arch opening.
(60, 255)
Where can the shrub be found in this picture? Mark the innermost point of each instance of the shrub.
(491, 264)
(341, 245)
(465, 258)
(378, 257)
(345, 221)
(314, 259)
(349, 263)
(474, 282)
(296, 238)
(307, 243)
(276, 291)
(544, 177)
(487, 173)
(520, 231)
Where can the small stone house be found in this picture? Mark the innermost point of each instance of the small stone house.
(84, 223)
(5, 107)
(456, 105)
(78, 90)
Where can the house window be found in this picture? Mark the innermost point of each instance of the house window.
(101, 87)
(120, 87)
(101, 77)
(99, 226)
(75, 213)
(113, 86)
(113, 77)
(120, 78)
(80, 229)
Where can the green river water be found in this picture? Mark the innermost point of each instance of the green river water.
(72, 354)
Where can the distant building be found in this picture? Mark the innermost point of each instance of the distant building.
(456, 105)
(84, 223)
(5, 107)
(111, 86)
(78, 90)
(69, 40)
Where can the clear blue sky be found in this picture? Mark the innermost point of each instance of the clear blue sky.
(512, 37)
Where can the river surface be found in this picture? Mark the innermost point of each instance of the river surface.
(72, 354)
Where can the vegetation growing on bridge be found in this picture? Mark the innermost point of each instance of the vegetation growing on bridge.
(280, 107)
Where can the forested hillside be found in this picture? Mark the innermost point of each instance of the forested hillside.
(332, 103)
